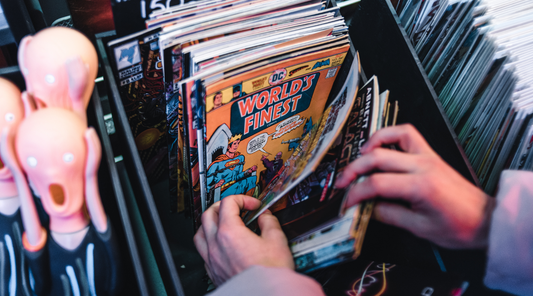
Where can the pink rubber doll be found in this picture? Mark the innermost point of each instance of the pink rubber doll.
(59, 66)
(58, 153)
(11, 271)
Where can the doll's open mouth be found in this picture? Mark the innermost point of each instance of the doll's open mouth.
(1, 163)
(57, 193)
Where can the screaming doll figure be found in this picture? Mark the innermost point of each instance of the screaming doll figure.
(11, 269)
(77, 255)
(59, 66)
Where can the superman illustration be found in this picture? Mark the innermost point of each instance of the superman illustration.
(226, 172)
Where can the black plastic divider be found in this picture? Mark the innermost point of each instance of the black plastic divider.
(139, 182)
(110, 184)
(386, 52)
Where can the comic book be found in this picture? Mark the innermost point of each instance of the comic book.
(341, 234)
(177, 66)
(254, 111)
(173, 73)
(259, 110)
(137, 67)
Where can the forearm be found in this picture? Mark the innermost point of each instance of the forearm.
(269, 281)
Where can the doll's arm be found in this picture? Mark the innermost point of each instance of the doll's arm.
(21, 52)
(34, 237)
(92, 194)
(28, 103)
(78, 73)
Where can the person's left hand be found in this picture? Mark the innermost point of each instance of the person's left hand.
(228, 247)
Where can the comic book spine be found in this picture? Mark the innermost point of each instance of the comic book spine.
(173, 68)
(192, 138)
(138, 69)
(172, 106)
(199, 126)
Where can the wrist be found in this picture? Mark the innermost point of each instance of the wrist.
(480, 237)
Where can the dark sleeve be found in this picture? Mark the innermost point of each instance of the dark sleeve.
(109, 240)
(510, 251)
(39, 270)
(269, 281)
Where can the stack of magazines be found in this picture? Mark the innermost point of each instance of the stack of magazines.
(242, 91)
(476, 55)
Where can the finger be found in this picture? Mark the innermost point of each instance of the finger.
(231, 206)
(396, 215)
(201, 244)
(380, 159)
(210, 221)
(386, 185)
(406, 136)
(270, 227)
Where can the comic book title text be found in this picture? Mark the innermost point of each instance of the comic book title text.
(351, 135)
(367, 118)
(262, 109)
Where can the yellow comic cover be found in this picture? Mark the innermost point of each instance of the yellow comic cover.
(255, 120)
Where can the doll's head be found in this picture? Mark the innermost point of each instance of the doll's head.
(51, 149)
(11, 113)
(43, 59)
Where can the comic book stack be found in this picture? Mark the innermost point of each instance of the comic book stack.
(245, 88)
(477, 56)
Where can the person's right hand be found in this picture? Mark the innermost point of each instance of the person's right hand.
(443, 207)
(228, 247)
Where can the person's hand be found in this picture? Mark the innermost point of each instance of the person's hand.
(252, 169)
(442, 206)
(263, 157)
(228, 247)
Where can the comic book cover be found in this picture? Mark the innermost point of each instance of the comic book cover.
(138, 70)
(314, 201)
(251, 118)
(341, 237)
(313, 146)
(191, 166)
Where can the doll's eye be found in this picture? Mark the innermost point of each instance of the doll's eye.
(68, 157)
(32, 161)
(10, 117)
(50, 78)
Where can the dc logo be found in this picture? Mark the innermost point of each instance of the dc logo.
(277, 77)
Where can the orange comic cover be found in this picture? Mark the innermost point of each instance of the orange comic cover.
(254, 120)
